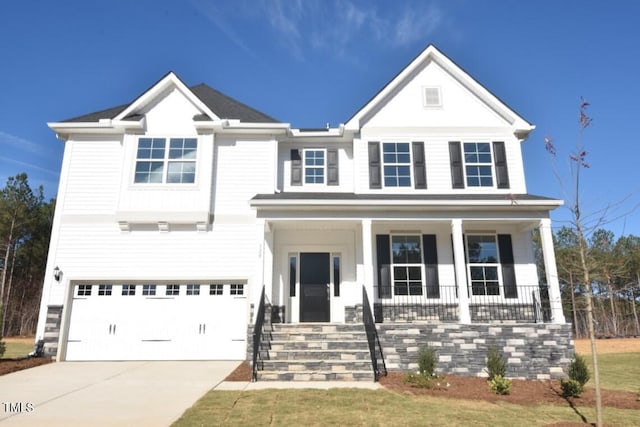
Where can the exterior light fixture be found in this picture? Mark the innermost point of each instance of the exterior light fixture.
(57, 274)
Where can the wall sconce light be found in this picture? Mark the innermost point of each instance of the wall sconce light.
(57, 274)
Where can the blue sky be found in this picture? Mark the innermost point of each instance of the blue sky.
(314, 62)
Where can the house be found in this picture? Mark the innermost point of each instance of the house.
(176, 210)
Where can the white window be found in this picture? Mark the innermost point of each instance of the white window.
(128, 290)
(478, 165)
(158, 164)
(104, 290)
(482, 254)
(215, 289)
(193, 289)
(314, 166)
(148, 290)
(84, 290)
(172, 290)
(396, 159)
(406, 269)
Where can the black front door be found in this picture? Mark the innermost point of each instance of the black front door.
(315, 276)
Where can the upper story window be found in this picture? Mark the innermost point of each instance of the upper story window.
(397, 164)
(478, 164)
(157, 163)
(314, 166)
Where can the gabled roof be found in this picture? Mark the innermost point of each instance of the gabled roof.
(431, 53)
(215, 104)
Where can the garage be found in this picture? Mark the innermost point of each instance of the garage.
(151, 321)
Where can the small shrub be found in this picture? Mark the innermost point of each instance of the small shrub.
(496, 363)
(433, 382)
(500, 385)
(571, 388)
(427, 361)
(578, 370)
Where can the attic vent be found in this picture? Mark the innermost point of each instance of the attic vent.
(432, 97)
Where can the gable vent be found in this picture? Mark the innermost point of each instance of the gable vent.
(431, 97)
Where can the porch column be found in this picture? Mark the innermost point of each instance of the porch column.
(549, 256)
(262, 275)
(367, 257)
(461, 271)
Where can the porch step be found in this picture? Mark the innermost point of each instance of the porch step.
(315, 352)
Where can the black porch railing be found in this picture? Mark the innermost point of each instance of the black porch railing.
(375, 349)
(257, 335)
(529, 304)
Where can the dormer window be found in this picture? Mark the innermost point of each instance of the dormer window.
(158, 164)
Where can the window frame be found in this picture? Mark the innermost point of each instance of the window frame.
(166, 161)
(497, 265)
(306, 167)
(216, 289)
(172, 290)
(84, 290)
(384, 164)
(128, 290)
(193, 289)
(236, 289)
(406, 266)
(478, 164)
(149, 290)
(105, 290)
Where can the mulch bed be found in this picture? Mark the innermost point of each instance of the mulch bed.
(12, 365)
(523, 392)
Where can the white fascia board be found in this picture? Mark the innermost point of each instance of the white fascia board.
(104, 126)
(231, 126)
(166, 82)
(528, 204)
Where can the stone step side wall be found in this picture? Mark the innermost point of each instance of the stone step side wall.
(532, 351)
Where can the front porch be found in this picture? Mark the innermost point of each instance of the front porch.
(313, 270)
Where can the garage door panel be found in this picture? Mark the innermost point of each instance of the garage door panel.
(158, 327)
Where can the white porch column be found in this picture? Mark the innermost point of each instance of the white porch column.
(262, 274)
(549, 256)
(367, 257)
(461, 271)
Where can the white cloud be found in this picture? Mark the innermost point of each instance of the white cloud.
(6, 140)
(336, 27)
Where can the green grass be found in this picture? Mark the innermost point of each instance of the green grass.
(618, 371)
(376, 408)
(17, 347)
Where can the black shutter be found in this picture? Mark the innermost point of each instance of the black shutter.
(332, 167)
(374, 165)
(455, 155)
(296, 167)
(383, 252)
(419, 167)
(502, 173)
(508, 269)
(430, 251)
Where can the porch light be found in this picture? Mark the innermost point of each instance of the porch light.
(57, 274)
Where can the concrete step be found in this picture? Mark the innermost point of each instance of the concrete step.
(315, 365)
(315, 376)
(340, 346)
(316, 354)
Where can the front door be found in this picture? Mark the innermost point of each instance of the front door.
(315, 276)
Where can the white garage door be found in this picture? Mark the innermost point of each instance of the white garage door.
(158, 322)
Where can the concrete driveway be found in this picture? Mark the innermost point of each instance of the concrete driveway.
(106, 393)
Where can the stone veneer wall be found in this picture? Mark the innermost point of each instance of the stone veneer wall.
(533, 351)
(52, 330)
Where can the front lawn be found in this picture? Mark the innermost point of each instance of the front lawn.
(17, 347)
(378, 408)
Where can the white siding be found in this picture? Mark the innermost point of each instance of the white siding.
(94, 175)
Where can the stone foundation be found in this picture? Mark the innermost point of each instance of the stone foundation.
(533, 351)
(353, 313)
(52, 330)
